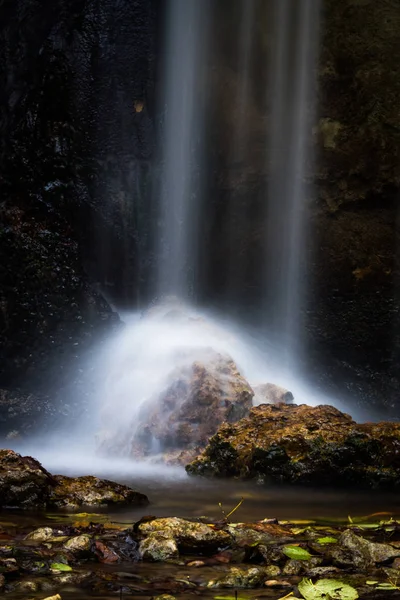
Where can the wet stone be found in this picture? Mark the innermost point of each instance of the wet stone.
(80, 544)
(366, 553)
(240, 578)
(187, 534)
(158, 547)
(272, 571)
(40, 535)
(303, 445)
(293, 567)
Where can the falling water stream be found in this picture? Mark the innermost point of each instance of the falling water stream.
(292, 93)
(179, 210)
(135, 366)
(240, 146)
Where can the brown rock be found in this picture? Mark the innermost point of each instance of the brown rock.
(24, 483)
(199, 399)
(304, 444)
(72, 492)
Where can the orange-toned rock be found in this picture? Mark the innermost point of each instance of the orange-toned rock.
(199, 399)
(303, 444)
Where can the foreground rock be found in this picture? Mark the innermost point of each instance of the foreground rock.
(306, 445)
(25, 484)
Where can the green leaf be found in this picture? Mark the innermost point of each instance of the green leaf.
(386, 586)
(327, 540)
(371, 582)
(325, 589)
(60, 567)
(296, 553)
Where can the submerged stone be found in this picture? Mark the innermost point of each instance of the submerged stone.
(158, 547)
(237, 577)
(189, 536)
(80, 544)
(305, 445)
(40, 535)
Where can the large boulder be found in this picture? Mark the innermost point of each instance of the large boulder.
(25, 484)
(305, 445)
(198, 397)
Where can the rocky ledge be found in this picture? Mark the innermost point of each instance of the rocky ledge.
(25, 484)
(305, 445)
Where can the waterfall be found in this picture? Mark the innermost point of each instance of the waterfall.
(185, 43)
(240, 143)
(292, 93)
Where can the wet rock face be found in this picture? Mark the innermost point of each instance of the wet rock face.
(24, 483)
(197, 402)
(49, 312)
(304, 445)
(179, 421)
(21, 414)
(55, 212)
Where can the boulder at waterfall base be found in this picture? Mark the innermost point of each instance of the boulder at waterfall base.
(197, 400)
(24, 483)
(304, 445)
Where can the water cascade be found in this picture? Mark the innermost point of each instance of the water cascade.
(177, 234)
(239, 152)
(159, 350)
(292, 94)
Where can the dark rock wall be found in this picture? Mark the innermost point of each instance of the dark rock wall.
(75, 135)
(354, 306)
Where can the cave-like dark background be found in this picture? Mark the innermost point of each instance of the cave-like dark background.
(81, 125)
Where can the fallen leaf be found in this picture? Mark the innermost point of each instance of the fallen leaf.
(296, 553)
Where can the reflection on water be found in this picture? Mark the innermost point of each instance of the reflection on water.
(172, 492)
